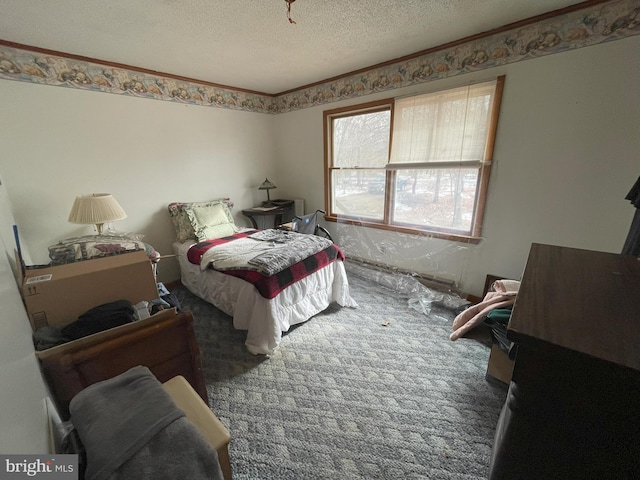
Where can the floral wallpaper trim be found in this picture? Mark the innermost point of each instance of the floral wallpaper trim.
(582, 28)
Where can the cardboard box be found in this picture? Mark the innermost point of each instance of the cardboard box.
(500, 366)
(58, 295)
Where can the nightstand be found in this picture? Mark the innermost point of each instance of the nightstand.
(276, 209)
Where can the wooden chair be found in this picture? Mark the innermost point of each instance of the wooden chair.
(212, 429)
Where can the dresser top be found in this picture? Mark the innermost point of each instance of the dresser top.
(580, 300)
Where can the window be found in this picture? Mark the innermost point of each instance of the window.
(414, 164)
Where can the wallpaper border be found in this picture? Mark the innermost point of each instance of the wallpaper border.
(581, 28)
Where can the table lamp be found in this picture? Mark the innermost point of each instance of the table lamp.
(97, 209)
(267, 185)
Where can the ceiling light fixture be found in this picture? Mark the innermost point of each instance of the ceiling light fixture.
(289, 2)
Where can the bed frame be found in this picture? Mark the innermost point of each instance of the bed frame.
(265, 319)
(165, 343)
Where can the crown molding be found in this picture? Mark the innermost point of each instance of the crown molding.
(585, 24)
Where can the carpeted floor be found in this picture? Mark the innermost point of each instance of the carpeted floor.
(345, 397)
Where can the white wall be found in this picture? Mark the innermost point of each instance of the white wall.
(566, 155)
(23, 417)
(60, 142)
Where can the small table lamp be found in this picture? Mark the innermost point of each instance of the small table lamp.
(267, 185)
(97, 208)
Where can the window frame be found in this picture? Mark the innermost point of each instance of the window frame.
(391, 173)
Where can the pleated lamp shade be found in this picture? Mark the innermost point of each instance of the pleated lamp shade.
(97, 209)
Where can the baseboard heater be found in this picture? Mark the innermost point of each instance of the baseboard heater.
(429, 281)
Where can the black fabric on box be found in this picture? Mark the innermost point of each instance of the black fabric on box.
(47, 337)
(102, 317)
(165, 301)
(497, 321)
(172, 300)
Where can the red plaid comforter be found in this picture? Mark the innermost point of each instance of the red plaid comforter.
(270, 286)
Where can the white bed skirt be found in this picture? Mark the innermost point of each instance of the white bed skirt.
(265, 319)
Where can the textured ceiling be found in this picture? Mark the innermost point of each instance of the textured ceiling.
(249, 43)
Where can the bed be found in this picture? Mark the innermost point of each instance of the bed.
(208, 246)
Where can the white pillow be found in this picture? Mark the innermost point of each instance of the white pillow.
(181, 221)
(212, 221)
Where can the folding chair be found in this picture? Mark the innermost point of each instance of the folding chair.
(308, 224)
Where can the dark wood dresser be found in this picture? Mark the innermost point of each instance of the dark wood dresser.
(573, 406)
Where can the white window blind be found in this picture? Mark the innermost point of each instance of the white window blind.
(442, 129)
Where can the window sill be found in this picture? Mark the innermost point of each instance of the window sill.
(453, 237)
